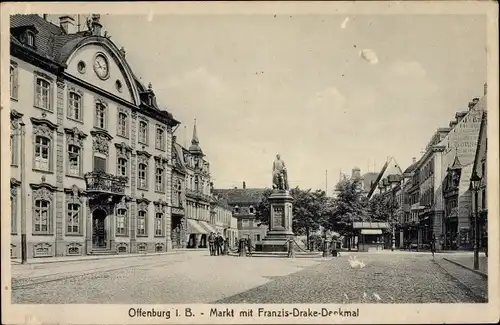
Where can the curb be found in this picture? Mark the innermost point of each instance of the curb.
(41, 261)
(484, 275)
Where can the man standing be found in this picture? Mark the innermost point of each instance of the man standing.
(433, 244)
(211, 243)
(219, 244)
(280, 177)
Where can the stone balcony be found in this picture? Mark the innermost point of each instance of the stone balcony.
(104, 183)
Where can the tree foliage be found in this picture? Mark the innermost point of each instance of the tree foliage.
(347, 207)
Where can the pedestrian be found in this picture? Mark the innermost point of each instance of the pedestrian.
(220, 242)
(433, 244)
(226, 246)
(249, 245)
(211, 243)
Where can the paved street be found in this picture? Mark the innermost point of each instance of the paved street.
(195, 277)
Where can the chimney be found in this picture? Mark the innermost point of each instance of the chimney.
(244, 185)
(485, 88)
(67, 23)
(45, 17)
(414, 160)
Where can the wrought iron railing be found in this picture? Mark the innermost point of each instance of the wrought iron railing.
(106, 183)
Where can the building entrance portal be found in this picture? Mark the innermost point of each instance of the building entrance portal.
(99, 229)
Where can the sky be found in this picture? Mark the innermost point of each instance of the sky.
(326, 92)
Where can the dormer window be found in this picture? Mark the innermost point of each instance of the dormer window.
(30, 39)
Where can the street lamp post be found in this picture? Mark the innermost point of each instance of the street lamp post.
(475, 182)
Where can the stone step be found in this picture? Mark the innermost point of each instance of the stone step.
(284, 254)
(102, 252)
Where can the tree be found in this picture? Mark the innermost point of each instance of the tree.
(308, 211)
(263, 210)
(347, 207)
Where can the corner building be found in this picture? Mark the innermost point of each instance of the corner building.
(90, 146)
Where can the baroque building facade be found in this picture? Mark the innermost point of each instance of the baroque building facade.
(90, 146)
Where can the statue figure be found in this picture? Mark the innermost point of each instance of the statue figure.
(280, 177)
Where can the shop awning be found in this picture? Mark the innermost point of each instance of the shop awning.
(207, 226)
(371, 231)
(193, 227)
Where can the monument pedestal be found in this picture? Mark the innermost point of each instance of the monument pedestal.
(280, 223)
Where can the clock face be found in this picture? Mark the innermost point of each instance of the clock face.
(101, 66)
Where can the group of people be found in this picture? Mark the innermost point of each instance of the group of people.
(218, 245)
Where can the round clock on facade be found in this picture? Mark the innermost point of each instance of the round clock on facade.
(101, 66)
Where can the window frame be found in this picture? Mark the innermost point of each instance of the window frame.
(163, 179)
(145, 224)
(119, 166)
(80, 161)
(125, 134)
(162, 221)
(48, 231)
(70, 110)
(79, 220)
(49, 154)
(146, 135)
(140, 185)
(162, 143)
(97, 104)
(30, 36)
(101, 156)
(36, 103)
(14, 80)
(125, 222)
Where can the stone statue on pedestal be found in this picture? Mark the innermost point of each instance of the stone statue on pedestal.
(280, 177)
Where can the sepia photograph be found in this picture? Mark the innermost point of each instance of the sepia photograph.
(272, 163)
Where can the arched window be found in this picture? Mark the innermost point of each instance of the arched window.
(122, 167)
(141, 223)
(159, 224)
(74, 160)
(100, 115)
(143, 176)
(75, 106)
(42, 216)
(42, 153)
(73, 224)
(121, 222)
(42, 94)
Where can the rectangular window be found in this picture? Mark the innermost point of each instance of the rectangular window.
(160, 184)
(143, 132)
(42, 153)
(122, 167)
(160, 139)
(483, 199)
(74, 160)
(73, 226)
(257, 237)
(99, 164)
(42, 94)
(123, 124)
(245, 223)
(100, 115)
(41, 216)
(143, 177)
(141, 223)
(159, 224)
(121, 217)
(75, 106)
(13, 82)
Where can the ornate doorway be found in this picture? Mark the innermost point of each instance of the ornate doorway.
(99, 229)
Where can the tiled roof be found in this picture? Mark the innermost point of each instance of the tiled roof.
(247, 196)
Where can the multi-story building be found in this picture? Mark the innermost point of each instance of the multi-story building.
(244, 202)
(480, 167)
(390, 168)
(192, 195)
(223, 220)
(406, 217)
(90, 145)
(458, 151)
